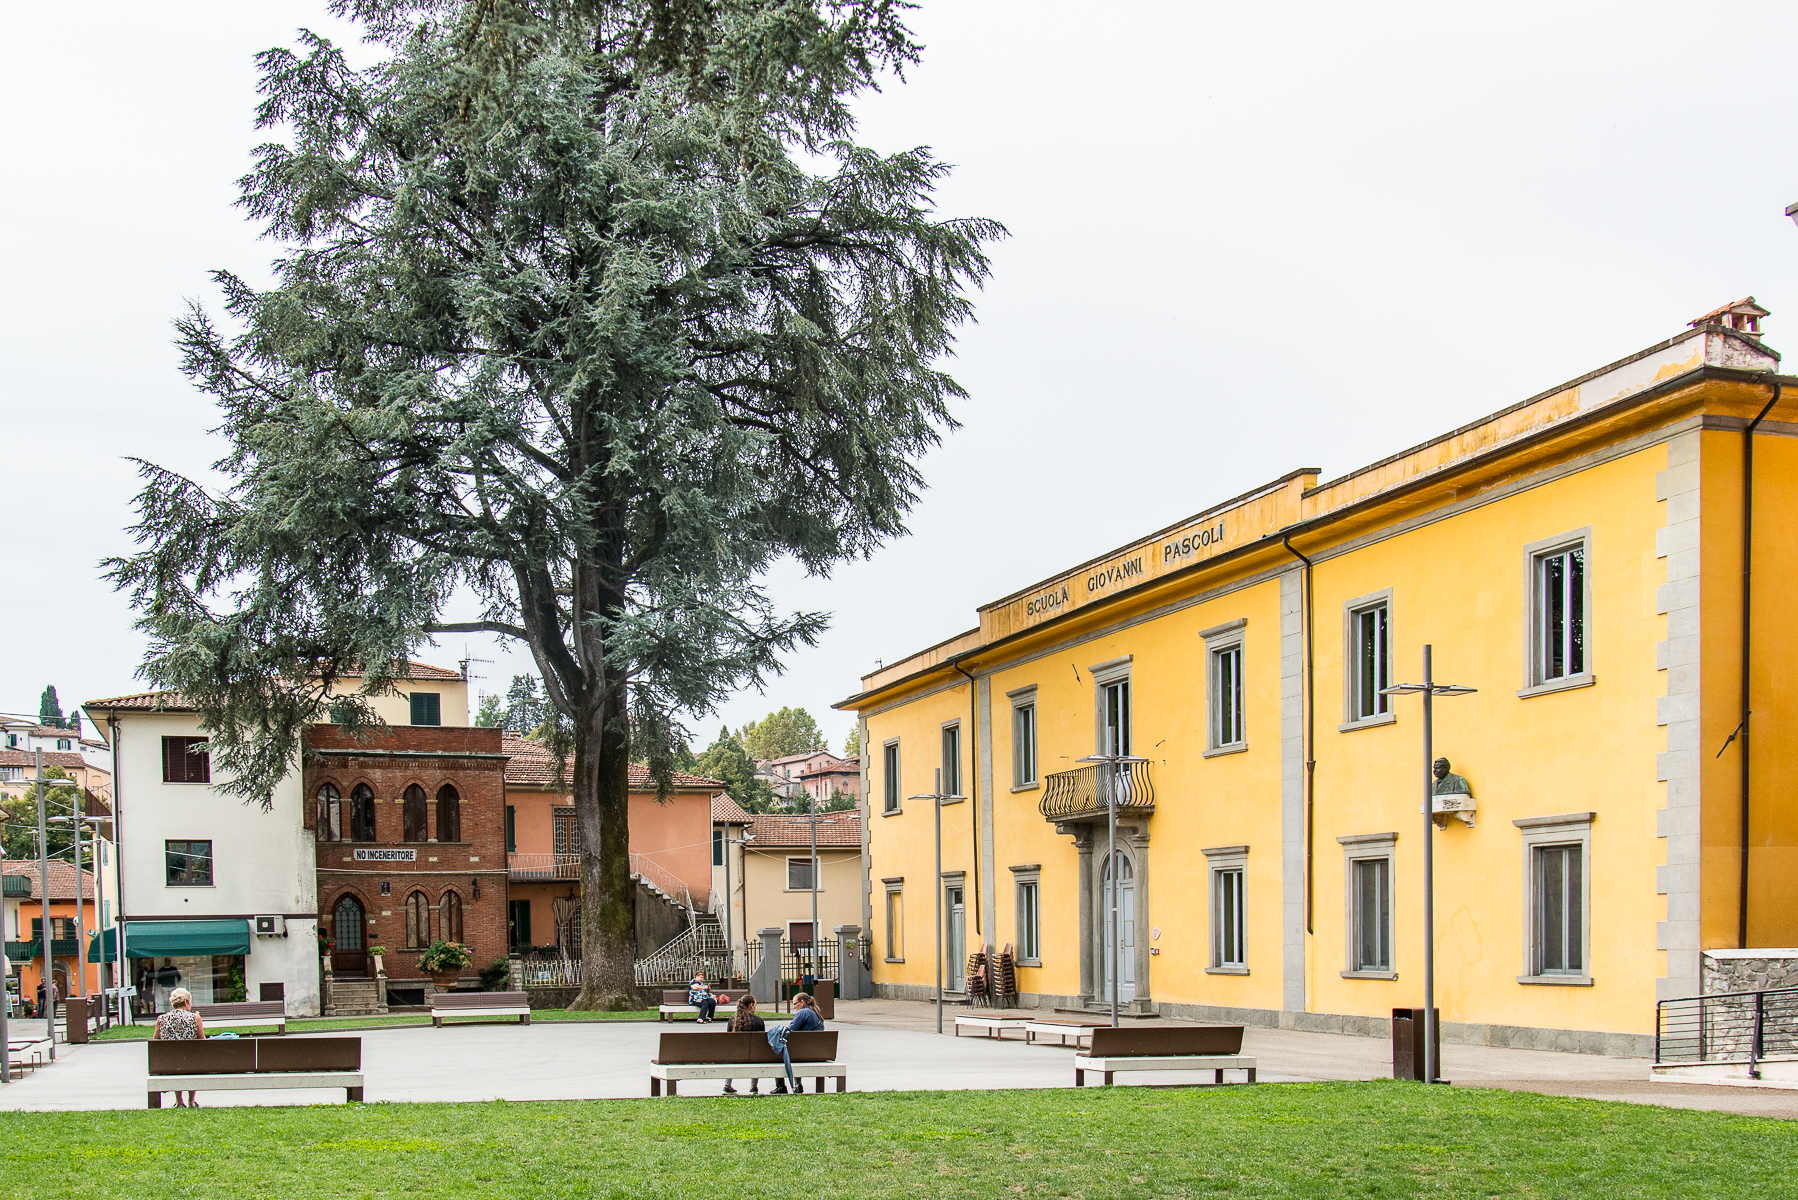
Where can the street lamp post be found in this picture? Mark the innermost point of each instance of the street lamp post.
(1429, 689)
(1110, 763)
(47, 978)
(937, 800)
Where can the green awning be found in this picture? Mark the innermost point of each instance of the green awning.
(170, 939)
(107, 953)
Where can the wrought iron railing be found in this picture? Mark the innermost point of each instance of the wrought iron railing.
(1081, 792)
(662, 879)
(698, 951)
(1728, 1027)
(550, 971)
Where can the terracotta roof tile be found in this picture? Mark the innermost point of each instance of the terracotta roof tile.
(532, 764)
(728, 811)
(834, 829)
(62, 878)
(66, 759)
(173, 701)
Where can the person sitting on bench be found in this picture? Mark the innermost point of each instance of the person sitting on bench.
(746, 1020)
(181, 1024)
(699, 995)
(805, 1017)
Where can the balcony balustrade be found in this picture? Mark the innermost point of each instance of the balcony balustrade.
(527, 867)
(1074, 795)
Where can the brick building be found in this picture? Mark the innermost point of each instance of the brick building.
(411, 843)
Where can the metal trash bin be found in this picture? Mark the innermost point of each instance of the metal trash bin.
(1407, 1043)
(75, 1020)
(825, 994)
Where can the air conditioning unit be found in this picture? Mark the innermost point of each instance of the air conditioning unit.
(271, 926)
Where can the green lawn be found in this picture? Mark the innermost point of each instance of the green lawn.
(142, 1030)
(1324, 1140)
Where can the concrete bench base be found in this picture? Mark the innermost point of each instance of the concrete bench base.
(994, 1027)
(672, 1073)
(1055, 1033)
(679, 1012)
(1107, 1067)
(272, 1081)
(438, 1015)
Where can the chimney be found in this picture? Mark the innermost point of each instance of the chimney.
(1743, 317)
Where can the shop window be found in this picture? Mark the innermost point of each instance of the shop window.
(889, 776)
(427, 708)
(1368, 867)
(1023, 738)
(188, 863)
(418, 921)
(449, 916)
(330, 813)
(449, 814)
(210, 978)
(184, 760)
(362, 813)
(414, 816)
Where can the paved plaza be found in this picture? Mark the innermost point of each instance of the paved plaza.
(887, 1046)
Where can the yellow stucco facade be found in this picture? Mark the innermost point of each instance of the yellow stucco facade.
(1577, 558)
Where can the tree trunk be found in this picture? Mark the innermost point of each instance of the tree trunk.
(601, 785)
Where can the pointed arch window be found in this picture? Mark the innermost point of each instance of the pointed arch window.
(330, 813)
(449, 814)
(362, 813)
(418, 921)
(414, 815)
(449, 916)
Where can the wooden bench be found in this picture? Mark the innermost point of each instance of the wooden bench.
(1164, 1048)
(479, 1004)
(674, 1003)
(989, 1025)
(255, 1064)
(244, 1014)
(725, 1055)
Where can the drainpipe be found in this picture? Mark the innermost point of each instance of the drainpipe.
(973, 792)
(1747, 613)
(1310, 733)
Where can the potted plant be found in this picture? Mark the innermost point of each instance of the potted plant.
(444, 961)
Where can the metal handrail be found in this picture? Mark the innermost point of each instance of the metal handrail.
(1727, 1027)
(1081, 791)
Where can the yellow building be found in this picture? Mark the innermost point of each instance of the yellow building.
(1578, 557)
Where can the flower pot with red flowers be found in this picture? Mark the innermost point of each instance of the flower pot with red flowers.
(444, 963)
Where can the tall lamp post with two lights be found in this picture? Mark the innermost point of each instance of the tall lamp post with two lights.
(1429, 689)
(937, 799)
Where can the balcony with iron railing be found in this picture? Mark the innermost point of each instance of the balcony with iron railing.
(526, 868)
(1081, 794)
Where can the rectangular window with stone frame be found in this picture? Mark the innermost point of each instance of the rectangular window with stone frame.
(1228, 868)
(1557, 852)
(1023, 737)
(889, 777)
(1367, 659)
(1028, 891)
(1226, 731)
(1367, 882)
(895, 918)
(1558, 613)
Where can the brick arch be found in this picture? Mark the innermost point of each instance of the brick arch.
(423, 817)
(436, 798)
(452, 926)
(328, 912)
(317, 819)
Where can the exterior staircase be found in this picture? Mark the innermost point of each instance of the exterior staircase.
(353, 998)
(698, 951)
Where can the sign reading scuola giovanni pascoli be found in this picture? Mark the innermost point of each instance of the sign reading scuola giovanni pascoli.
(386, 856)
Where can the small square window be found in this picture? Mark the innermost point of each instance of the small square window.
(184, 760)
(427, 708)
(799, 874)
(188, 863)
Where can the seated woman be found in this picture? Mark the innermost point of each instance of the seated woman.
(181, 1024)
(746, 1020)
(699, 995)
(805, 1017)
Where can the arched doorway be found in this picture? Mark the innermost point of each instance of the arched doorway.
(1126, 930)
(349, 928)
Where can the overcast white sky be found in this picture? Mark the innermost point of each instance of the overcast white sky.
(1246, 238)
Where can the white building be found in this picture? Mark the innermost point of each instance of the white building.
(220, 896)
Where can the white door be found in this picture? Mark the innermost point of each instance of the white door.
(957, 941)
(1126, 951)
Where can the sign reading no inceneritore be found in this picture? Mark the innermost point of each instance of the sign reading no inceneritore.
(386, 856)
